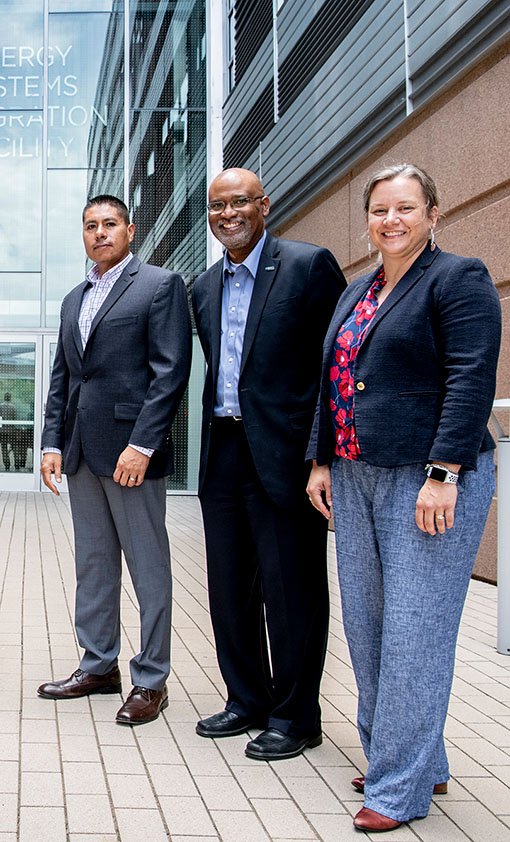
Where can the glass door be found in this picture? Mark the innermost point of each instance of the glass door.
(20, 412)
(49, 348)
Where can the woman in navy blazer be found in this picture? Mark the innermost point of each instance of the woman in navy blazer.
(401, 452)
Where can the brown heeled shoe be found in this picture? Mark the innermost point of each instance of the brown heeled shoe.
(367, 819)
(359, 784)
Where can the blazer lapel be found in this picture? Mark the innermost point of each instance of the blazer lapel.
(405, 284)
(119, 287)
(346, 305)
(267, 271)
(75, 314)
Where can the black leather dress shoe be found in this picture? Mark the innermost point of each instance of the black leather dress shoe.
(80, 684)
(275, 745)
(224, 724)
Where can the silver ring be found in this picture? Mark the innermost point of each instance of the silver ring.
(439, 517)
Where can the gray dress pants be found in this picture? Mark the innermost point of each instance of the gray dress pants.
(108, 518)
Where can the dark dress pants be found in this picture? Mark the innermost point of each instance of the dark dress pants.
(266, 569)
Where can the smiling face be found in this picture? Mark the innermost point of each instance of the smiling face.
(399, 221)
(106, 236)
(238, 229)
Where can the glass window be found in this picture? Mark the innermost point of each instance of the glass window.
(21, 54)
(86, 90)
(150, 164)
(20, 299)
(66, 260)
(21, 180)
(83, 112)
(85, 5)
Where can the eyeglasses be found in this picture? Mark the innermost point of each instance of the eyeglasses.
(217, 206)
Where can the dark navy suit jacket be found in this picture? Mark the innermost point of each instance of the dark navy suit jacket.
(127, 384)
(425, 375)
(295, 292)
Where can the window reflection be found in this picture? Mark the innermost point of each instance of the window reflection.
(17, 386)
(21, 180)
(66, 260)
(20, 299)
(82, 84)
(168, 135)
(21, 54)
(85, 5)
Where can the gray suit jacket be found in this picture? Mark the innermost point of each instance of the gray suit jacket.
(127, 384)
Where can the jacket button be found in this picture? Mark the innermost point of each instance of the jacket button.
(360, 386)
(84, 378)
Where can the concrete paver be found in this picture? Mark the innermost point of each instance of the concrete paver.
(68, 773)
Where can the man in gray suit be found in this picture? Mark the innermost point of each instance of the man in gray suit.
(120, 371)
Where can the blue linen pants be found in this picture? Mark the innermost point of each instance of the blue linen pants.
(402, 595)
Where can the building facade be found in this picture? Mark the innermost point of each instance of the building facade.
(96, 96)
(321, 94)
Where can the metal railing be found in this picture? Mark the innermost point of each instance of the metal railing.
(503, 644)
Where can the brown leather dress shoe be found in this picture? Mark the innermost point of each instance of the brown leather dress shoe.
(142, 705)
(369, 820)
(359, 784)
(80, 684)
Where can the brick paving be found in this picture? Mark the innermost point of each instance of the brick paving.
(68, 773)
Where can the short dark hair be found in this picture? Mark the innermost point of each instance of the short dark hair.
(408, 171)
(105, 199)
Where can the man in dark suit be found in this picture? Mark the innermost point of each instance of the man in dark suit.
(261, 314)
(121, 368)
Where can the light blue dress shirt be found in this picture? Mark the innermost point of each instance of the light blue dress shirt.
(238, 283)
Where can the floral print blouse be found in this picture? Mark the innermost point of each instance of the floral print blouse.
(345, 350)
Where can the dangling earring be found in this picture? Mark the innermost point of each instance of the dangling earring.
(432, 240)
(369, 246)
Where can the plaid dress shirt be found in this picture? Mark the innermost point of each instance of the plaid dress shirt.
(94, 296)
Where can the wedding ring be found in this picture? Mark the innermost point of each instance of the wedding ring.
(132, 479)
(439, 517)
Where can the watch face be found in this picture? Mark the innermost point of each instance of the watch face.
(438, 474)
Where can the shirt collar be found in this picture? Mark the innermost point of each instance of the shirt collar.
(251, 262)
(112, 274)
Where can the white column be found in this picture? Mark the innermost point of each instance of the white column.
(215, 62)
(127, 104)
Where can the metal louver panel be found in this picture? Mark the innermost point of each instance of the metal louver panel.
(253, 20)
(321, 38)
(253, 129)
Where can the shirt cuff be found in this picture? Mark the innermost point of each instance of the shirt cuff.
(51, 450)
(147, 451)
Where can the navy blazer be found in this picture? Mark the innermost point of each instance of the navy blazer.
(425, 375)
(127, 384)
(295, 292)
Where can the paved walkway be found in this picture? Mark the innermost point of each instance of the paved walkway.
(68, 773)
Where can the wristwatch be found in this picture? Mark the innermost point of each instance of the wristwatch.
(440, 473)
